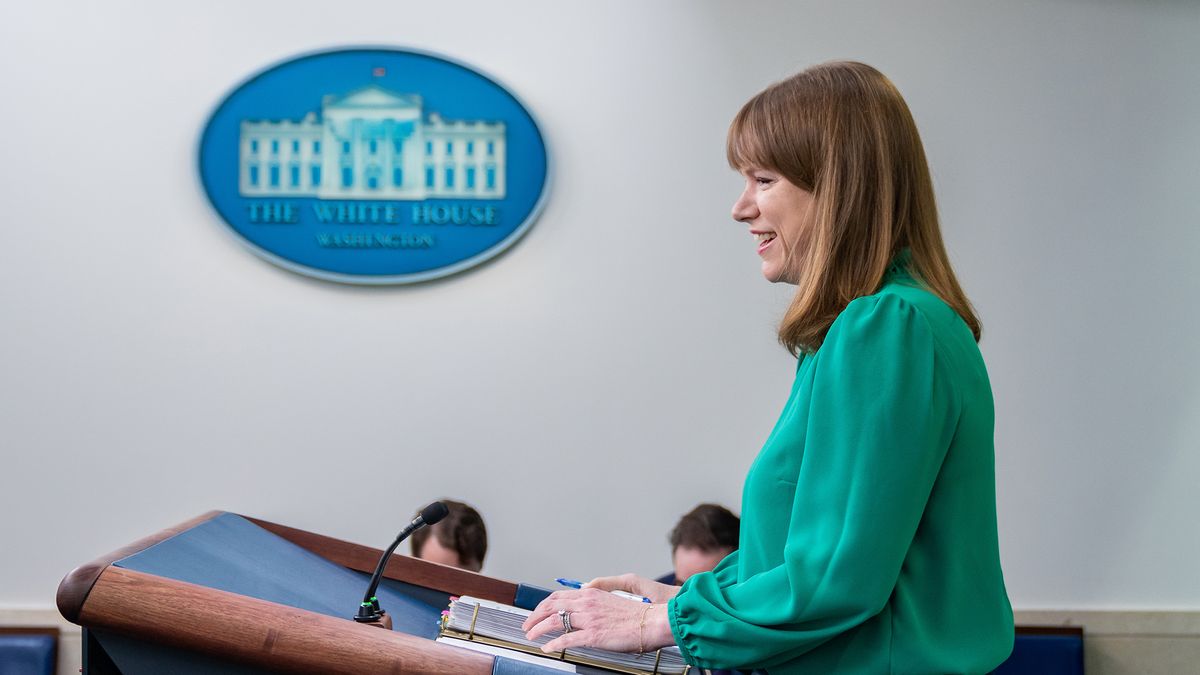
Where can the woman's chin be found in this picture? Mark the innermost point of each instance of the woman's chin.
(773, 274)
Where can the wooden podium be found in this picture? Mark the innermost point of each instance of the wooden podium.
(135, 621)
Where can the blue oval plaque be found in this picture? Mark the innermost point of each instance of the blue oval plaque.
(374, 166)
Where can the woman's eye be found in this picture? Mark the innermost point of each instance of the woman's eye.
(761, 180)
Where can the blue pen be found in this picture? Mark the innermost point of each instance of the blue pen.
(571, 583)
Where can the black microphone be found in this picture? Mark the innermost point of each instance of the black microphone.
(369, 611)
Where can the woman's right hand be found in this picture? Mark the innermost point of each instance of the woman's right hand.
(632, 583)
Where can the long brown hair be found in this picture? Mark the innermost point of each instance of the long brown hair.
(841, 131)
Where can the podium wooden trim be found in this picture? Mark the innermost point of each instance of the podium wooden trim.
(98, 595)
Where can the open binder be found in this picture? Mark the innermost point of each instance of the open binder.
(499, 625)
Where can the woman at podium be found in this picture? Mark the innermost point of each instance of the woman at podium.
(868, 540)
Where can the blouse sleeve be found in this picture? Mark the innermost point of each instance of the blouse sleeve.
(878, 427)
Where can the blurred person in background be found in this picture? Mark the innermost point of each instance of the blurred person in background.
(700, 540)
(458, 540)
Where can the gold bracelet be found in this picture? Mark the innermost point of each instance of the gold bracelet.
(642, 631)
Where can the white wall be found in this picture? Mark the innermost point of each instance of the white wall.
(618, 365)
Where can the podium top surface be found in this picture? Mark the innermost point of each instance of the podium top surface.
(269, 596)
(230, 553)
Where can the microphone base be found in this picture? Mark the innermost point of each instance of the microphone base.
(379, 619)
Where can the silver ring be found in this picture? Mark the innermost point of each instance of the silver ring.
(565, 616)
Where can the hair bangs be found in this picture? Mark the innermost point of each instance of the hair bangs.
(749, 143)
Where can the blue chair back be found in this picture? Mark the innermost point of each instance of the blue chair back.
(28, 651)
(1045, 650)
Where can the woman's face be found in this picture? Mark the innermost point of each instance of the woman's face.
(777, 212)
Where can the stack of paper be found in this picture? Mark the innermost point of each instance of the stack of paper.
(475, 619)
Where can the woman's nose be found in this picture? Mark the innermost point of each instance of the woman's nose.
(744, 209)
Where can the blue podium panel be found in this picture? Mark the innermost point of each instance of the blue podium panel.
(528, 596)
(230, 553)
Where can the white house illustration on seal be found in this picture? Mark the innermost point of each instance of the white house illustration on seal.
(372, 144)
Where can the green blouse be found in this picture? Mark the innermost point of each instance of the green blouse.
(868, 540)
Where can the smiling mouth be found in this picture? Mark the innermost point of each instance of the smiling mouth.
(764, 240)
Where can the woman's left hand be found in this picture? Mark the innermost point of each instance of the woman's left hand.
(599, 619)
